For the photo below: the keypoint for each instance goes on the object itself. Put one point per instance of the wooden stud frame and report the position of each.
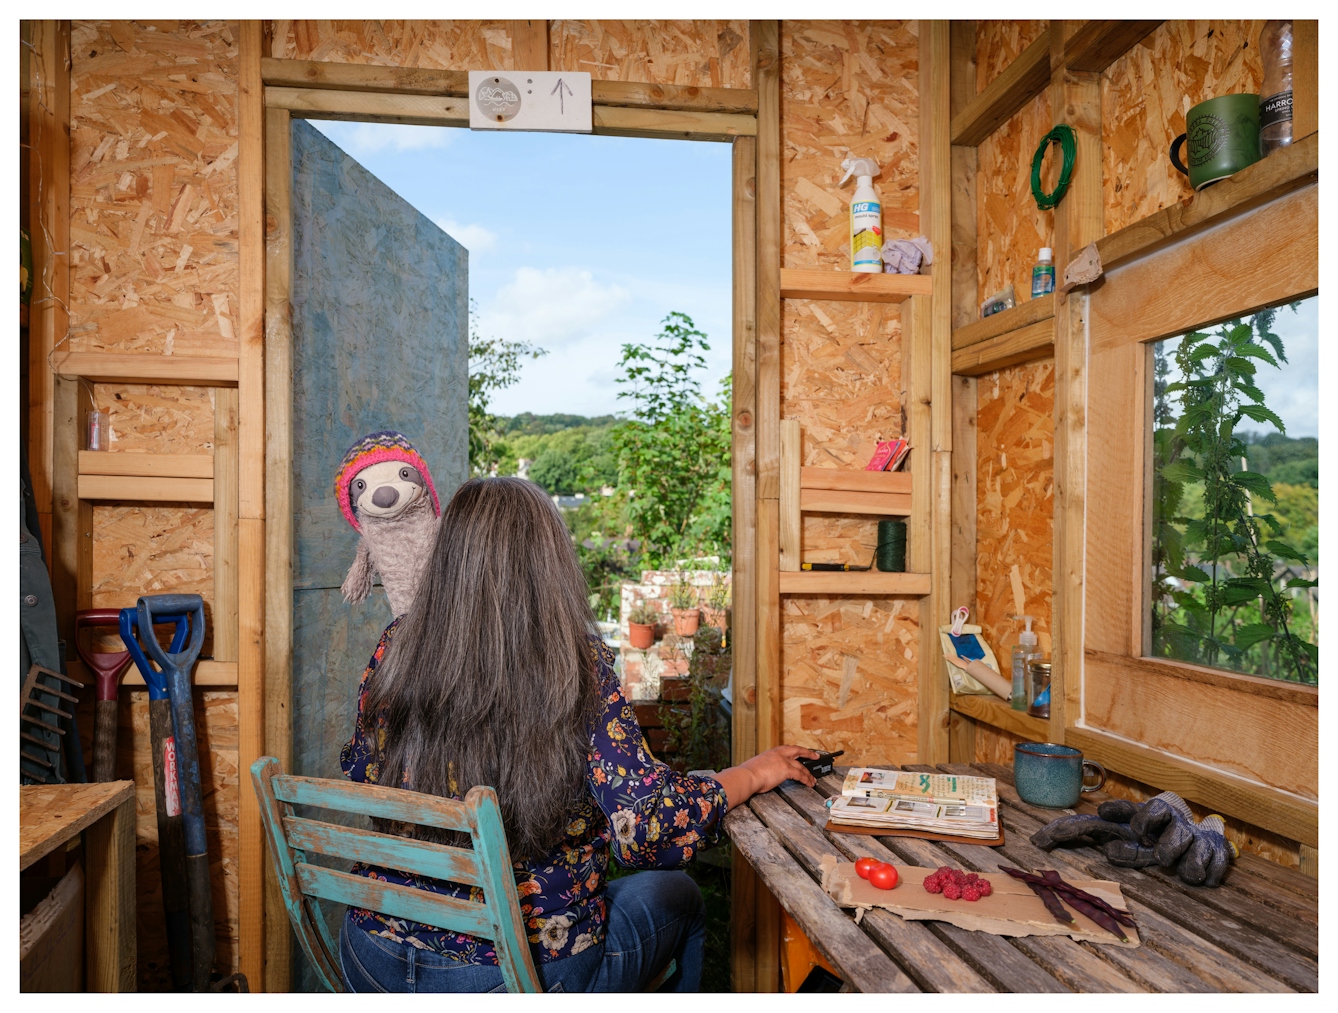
(1095, 568)
(1252, 751)
(750, 119)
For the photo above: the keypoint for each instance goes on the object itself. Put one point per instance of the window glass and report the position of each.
(1235, 495)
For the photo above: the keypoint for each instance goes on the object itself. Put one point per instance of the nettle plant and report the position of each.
(1226, 605)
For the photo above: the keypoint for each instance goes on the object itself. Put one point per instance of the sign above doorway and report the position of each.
(530, 100)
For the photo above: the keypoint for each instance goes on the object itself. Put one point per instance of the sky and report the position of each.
(577, 243)
(1292, 391)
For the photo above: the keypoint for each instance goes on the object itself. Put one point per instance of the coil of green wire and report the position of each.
(1063, 136)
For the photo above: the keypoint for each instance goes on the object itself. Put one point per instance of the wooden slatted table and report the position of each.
(1259, 931)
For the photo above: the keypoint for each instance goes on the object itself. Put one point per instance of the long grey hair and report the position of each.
(490, 678)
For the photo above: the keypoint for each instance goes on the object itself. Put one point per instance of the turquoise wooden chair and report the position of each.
(488, 865)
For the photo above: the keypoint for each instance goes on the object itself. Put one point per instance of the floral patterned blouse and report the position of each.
(650, 816)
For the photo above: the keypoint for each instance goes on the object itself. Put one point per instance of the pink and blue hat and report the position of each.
(387, 445)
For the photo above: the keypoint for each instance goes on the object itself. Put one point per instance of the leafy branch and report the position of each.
(1224, 561)
(494, 364)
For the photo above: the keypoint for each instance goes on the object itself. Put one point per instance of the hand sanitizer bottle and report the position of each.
(1043, 274)
(1025, 649)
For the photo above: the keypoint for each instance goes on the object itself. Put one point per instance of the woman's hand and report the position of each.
(764, 772)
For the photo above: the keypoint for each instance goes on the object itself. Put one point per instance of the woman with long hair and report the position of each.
(494, 677)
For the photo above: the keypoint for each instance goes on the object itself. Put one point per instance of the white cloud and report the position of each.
(474, 238)
(552, 307)
(363, 139)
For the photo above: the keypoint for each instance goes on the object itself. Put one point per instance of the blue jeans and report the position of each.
(653, 917)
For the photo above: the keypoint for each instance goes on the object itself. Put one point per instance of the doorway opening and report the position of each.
(598, 348)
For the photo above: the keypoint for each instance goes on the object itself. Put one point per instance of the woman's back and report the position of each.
(651, 816)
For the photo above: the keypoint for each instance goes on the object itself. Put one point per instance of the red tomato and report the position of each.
(864, 865)
(884, 876)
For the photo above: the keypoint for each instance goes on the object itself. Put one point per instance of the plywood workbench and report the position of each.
(52, 815)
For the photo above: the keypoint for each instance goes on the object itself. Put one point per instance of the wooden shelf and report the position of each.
(855, 481)
(1029, 312)
(869, 504)
(139, 489)
(999, 714)
(99, 462)
(851, 286)
(857, 584)
(136, 367)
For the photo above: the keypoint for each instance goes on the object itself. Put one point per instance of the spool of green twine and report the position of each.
(890, 556)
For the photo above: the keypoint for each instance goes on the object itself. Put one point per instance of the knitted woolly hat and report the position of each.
(374, 448)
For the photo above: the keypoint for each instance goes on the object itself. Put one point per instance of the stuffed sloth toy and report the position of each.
(385, 491)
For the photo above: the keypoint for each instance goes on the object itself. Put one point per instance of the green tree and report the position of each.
(494, 364)
(1224, 606)
(674, 450)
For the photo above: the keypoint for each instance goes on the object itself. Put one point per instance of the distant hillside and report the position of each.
(1284, 459)
(529, 424)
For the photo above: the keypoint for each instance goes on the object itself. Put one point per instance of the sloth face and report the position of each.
(386, 489)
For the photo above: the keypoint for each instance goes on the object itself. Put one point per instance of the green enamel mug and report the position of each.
(1221, 137)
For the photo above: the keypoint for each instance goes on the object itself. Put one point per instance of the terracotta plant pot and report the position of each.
(640, 635)
(686, 621)
(714, 617)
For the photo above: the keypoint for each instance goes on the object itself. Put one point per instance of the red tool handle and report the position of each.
(108, 665)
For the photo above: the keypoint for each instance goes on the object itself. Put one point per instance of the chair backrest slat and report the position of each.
(402, 854)
(437, 909)
(374, 800)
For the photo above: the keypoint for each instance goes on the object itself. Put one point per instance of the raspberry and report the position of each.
(933, 884)
(972, 877)
(986, 888)
(952, 891)
(971, 892)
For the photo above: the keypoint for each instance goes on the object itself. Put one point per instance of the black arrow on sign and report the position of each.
(557, 90)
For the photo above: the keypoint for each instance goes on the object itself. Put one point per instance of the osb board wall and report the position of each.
(1015, 501)
(999, 43)
(850, 676)
(849, 665)
(995, 745)
(713, 54)
(1145, 96)
(153, 190)
(216, 740)
(847, 87)
(1010, 228)
(437, 45)
(154, 548)
(701, 53)
(157, 419)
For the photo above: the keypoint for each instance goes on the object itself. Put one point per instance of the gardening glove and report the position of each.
(1082, 830)
(1165, 824)
(1168, 836)
(1209, 855)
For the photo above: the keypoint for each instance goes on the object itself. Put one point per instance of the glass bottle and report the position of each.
(1275, 94)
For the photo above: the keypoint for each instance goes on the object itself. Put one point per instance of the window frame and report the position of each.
(1245, 745)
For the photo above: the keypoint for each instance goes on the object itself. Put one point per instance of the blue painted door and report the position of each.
(380, 341)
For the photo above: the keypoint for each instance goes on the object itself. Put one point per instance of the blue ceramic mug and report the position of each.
(1048, 774)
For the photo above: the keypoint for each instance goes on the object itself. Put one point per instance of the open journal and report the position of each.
(935, 803)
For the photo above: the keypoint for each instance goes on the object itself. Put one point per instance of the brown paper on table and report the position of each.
(1011, 910)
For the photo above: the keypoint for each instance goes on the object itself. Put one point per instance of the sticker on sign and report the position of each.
(530, 100)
